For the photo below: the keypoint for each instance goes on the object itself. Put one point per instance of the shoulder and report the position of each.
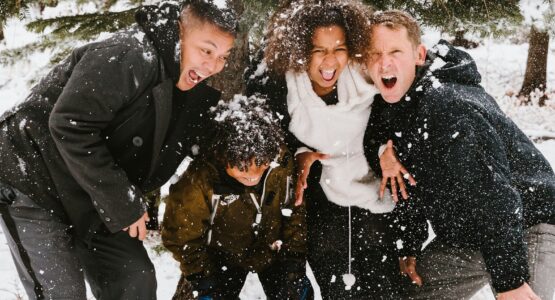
(130, 47)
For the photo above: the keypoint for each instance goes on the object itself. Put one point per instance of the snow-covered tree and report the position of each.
(540, 18)
(459, 17)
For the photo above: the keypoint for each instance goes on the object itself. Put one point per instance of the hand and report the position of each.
(304, 161)
(395, 172)
(407, 265)
(524, 292)
(138, 228)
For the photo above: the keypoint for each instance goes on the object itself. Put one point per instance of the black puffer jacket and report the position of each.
(480, 180)
(100, 129)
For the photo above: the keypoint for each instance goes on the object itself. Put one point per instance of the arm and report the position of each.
(185, 223)
(103, 82)
(472, 157)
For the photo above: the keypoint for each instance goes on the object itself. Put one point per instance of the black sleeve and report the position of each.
(104, 80)
(474, 163)
(375, 135)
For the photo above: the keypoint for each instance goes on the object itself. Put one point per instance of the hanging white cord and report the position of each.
(350, 259)
(349, 279)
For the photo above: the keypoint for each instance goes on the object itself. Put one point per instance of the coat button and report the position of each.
(138, 141)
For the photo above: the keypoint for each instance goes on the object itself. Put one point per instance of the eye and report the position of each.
(341, 49)
(223, 58)
(206, 51)
(317, 51)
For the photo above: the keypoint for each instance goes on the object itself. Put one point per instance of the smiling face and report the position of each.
(393, 61)
(204, 51)
(251, 176)
(329, 57)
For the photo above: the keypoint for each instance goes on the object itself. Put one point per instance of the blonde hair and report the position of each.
(396, 19)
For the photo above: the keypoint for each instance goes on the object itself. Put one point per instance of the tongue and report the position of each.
(389, 82)
(328, 75)
(194, 75)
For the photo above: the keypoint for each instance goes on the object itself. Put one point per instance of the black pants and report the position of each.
(373, 259)
(52, 264)
(274, 281)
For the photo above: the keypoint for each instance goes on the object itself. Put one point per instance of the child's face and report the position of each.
(251, 176)
(393, 61)
(328, 59)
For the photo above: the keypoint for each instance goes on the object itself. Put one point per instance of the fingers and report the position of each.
(142, 230)
(299, 192)
(382, 187)
(133, 230)
(402, 186)
(408, 176)
(414, 277)
(389, 144)
(393, 184)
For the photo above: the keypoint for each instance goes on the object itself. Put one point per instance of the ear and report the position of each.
(421, 53)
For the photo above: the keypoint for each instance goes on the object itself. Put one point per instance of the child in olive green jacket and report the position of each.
(233, 212)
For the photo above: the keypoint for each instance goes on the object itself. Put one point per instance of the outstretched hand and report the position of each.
(138, 229)
(407, 265)
(394, 172)
(304, 161)
(524, 292)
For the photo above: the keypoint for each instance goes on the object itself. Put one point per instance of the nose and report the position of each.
(210, 65)
(384, 62)
(330, 60)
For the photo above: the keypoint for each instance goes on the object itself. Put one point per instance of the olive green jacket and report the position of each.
(232, 239)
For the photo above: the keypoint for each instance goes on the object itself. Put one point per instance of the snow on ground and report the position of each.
(501, 63)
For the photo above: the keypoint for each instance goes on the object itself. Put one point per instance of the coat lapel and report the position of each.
(163, 108)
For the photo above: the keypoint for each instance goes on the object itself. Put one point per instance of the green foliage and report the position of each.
(485, 17)
(86, 26)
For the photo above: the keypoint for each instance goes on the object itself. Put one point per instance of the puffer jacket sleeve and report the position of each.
(186, 220)
(104, 80)
(294, 226)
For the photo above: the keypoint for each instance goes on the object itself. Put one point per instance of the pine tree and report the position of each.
(483, 17)
(67, 31)
(19, 8)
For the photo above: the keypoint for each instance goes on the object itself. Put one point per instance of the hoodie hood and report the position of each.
(445, 63)
(160, 24)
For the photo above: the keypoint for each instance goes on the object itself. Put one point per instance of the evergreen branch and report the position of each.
(86, 26)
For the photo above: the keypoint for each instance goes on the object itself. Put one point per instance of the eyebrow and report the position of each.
(343, 43)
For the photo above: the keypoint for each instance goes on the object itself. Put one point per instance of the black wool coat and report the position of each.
(480, 180)
(98, 131)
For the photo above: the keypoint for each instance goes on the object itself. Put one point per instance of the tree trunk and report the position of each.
(230, 81)
(1, 31)
(536, 66)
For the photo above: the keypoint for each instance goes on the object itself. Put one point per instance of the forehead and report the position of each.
(383, 35)
(326, 34)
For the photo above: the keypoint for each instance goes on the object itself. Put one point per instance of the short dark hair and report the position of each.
(206, 11)
(245, 129)
(289, 36)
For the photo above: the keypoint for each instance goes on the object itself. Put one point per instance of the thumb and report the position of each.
(389, 144)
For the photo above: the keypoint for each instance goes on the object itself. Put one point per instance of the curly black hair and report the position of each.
(289, 34)
(245, 129)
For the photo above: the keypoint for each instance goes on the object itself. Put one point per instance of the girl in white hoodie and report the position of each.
(310, 71)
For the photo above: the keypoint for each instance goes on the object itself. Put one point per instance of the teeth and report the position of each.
(388, 77)
(201, 75)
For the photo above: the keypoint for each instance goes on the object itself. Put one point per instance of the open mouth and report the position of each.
(389, 81)
(251, 179)
(327, 75)
(196, 76)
